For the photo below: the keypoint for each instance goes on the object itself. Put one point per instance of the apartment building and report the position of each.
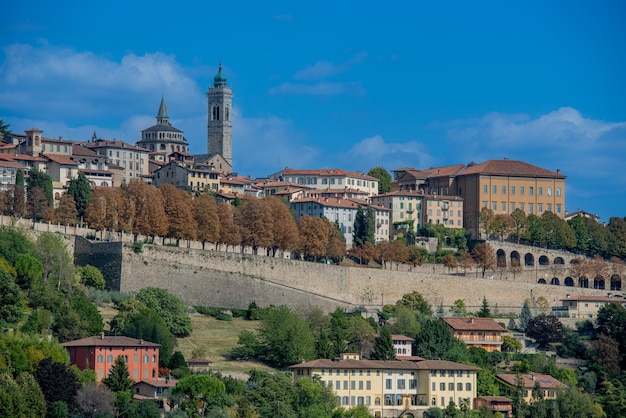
(477, 332)
(531, 382)
(99, 354)
(329, 178)
(389, 388)
(134, 160)
(584, 307)
(187, 177)
(344, 212)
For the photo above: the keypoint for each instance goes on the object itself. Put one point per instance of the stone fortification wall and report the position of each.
(213, 278)
(106, 256)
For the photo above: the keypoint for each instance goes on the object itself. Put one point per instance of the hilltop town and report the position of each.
(331, 269)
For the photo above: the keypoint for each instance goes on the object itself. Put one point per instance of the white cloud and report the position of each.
(324, 69)
(374, 151)
(59, 81)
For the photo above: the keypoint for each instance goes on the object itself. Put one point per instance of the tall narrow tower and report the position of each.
(220, 125)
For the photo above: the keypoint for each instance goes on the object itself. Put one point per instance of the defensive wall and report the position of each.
(234, 279)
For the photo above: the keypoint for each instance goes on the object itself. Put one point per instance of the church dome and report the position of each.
(219, 79)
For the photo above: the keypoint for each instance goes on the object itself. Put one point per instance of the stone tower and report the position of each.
(220, 125)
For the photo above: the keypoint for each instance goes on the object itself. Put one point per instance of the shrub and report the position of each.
(138, 247)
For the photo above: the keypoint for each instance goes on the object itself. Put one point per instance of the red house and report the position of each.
(99, 354)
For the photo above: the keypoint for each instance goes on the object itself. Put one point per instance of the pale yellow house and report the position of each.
(187, 177)
(330, 178)
(585, 307)
(391, 388)
(547, 384)
(477, 332)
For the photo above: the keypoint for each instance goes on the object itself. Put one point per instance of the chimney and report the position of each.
(141, 341)
(102, 335)
(471, 320)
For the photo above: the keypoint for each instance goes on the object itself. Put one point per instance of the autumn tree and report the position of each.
(178, 210)
(314, 233)
(80, 190)
(284, 228)
(502, 225)
(580, 268)
(484, 257)
(207, 220)
(66, 212)
(384, 179)
(467, 261)
(37, 206)
(336, 248)
(18, 195)
(519, 224)
(485, 219)
(229, 232)
(416, 257)
(515, 267)
(255, 222)
(398, 253)
(43, 181)
(449, 261)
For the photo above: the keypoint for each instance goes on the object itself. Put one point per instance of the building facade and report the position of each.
(134, 160)
(220, 120)
(187, 177)
(584, 307)
(532, 383)
(163, 137)
(99, 354)
(477, 332)
(390, 388)
(330, 178)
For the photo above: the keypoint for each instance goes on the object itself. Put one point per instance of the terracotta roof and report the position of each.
(409, 358)
(529, 380)
(356, 364)
(473, 324)
(113, 143)
(446, 171)
(396, 337)
(443, 365)
(109, 340)
(500, 399)
(332, 202)
(20, 157)
(198, 360)
(267, 184)
(83, 151)
(508, 167)
(417, 193)
(61, 159)
(328, 172)
(159, 383)
(11, 164)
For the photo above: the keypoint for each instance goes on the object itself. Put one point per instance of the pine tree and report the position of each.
(118, 380)
(80, 190)
(484, 311)
(524, 316)
(383, 346)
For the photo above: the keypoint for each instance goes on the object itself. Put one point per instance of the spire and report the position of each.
(162, 115)
(94, 137)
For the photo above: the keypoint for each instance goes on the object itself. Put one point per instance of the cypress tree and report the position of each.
(80, 190)
(383, 346)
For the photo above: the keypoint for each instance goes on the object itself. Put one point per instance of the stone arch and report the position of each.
(541, 281)
(529, 260)
(569, 281)
(544, 261)
(598, 283)
(515, 256)
(616, 282)
(583, 282)
(558, 260)
(500, 258)
(555, 281)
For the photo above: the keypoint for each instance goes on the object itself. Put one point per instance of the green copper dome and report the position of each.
(219, 79)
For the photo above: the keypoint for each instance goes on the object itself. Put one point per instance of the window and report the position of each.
(521, 207)
(485, 204)
(531, 207)
(512, 189)
(100, 358)
(558, 192)
(558, 208)
(412, 383)
(401, 384)
(388, 384)
(451, 387)
(443, 401)
(368, 385)
(468, 387)
(512, 207)
(459, 386)
(337, 384)
(494, 206)
(442, 386)
(540, 208)
(135, 374)
(503, 206)
(433, 386)
(531, 191)
(503, 189)
(549, 191)
(345, 385)
(494, 189)
(146, 358)
(353, 384)
(521, 190)
(549, 207)
(360, 385)
(110, 358)
(540, 191)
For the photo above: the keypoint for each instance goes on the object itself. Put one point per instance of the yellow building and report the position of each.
(532, 382)
(585, 307)
(389, 388)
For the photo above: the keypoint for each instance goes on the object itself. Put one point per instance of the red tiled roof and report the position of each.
(443, 365)
(508, 167)
(113, 143)
(159, 383)
(11, 164)
(446, 171)
(61, 159)
(109, 340)
(396, 337)
(529, 380)
(82, 151)
(473, 324)
(327, 172)
(356, 364)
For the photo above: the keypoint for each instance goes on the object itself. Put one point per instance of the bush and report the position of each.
(224, 317)
(138, 247)
(103, 297)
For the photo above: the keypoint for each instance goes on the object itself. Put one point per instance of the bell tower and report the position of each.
(220, 125)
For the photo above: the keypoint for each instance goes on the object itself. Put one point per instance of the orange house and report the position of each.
(99, 354)
(477, 332)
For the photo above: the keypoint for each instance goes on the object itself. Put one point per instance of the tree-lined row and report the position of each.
(579, 234)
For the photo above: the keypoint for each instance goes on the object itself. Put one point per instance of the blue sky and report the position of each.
(337, 83)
